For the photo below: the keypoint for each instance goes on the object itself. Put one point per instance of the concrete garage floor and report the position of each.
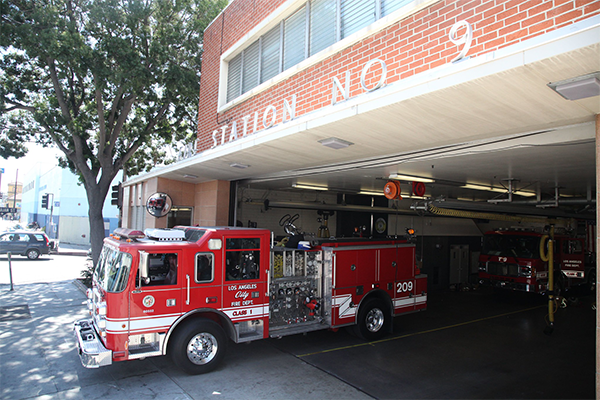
(466, 345)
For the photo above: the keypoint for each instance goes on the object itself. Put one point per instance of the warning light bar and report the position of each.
(165, 234)
(126, 233)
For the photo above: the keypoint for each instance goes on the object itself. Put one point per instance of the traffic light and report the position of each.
(116, 196)
(45, 201)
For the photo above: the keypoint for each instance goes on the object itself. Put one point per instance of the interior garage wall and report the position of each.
(437, 238)
(435, 253)
(250, 208)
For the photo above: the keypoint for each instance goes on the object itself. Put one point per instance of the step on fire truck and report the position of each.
(515, 259)
(186, 291)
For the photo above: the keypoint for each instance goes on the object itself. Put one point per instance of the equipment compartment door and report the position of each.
(245, 269)
(405, 285)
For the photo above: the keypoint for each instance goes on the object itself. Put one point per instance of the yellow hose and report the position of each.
(543, 255)
(550, 257)
(446, 212)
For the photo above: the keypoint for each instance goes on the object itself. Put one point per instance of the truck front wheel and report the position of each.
(199, 347)
(373, 320)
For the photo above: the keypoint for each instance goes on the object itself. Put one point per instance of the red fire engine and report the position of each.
(514, 259)
(186, 291)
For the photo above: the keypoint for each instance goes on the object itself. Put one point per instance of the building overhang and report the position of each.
(494, 98)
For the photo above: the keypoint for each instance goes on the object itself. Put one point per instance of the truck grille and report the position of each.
(502, 269)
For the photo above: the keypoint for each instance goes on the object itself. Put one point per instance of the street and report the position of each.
(47, 268)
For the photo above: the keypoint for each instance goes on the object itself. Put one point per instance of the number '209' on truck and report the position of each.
(187, 291)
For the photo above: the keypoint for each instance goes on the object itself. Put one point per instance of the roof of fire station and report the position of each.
(464, 112)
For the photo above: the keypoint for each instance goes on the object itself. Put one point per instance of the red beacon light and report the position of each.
(128, 234)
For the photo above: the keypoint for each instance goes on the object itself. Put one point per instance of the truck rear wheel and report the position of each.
(373, 320)
(199, 347)
(591, 282)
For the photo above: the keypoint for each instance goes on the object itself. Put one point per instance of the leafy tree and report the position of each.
(103, 80)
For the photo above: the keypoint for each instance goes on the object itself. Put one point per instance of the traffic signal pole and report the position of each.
(49, 205)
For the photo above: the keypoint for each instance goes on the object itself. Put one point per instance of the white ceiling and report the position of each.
(481, 122)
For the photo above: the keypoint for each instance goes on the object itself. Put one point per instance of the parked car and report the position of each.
(24, 243)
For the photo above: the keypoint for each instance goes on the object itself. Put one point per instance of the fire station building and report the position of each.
(366, 117)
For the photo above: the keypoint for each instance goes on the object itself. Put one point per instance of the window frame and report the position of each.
(277, 18)
(212, 265)
(242, 251)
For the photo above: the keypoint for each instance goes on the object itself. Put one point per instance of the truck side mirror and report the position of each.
(143, 269)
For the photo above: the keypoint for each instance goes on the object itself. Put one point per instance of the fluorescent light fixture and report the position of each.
(411, 178)
(524, 194)
(496, 189)
(310, 187)
(577, 88)
(371, 193)
(238, 165)
(335, 143)
(188, 176)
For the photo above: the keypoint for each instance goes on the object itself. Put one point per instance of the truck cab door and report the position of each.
(155, 303)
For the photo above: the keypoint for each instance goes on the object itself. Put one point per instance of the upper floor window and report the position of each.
(312, 28)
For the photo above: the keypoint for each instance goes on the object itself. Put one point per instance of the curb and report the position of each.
(70, 253)
(82, 288)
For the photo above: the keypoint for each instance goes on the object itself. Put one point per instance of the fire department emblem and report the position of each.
(148, 301)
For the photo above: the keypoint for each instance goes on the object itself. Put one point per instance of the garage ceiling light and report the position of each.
(496, 189)
(189, 176)
(371, 193)
(238, 165)
(335, 143)
(411, 178)
(577, 88)
(311, 187)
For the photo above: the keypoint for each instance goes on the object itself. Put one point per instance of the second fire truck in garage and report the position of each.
(516, 259)
(187, 291)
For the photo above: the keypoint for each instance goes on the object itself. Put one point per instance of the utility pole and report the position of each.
(15, 195)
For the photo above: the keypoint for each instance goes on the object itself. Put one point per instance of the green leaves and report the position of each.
(102, 77)
(110, 82)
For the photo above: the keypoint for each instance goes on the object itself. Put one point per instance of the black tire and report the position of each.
(32, 254)
(198, 347)
(374, 320)
(559, 284)
(591, 282)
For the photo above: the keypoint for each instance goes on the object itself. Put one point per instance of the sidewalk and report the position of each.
(39, 360)
(67, 249)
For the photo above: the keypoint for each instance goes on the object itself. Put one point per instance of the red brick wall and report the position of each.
(411, 46)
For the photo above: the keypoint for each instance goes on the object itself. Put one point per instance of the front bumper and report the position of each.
(512, 285)
(92, 352)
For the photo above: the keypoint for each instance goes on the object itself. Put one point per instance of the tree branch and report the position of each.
(101, 117)
(120, 122)
(114, 106)
(17, 106)
(64, 109)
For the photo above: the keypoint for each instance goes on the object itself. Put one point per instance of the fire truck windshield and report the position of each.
(112, 269)
(511, 246)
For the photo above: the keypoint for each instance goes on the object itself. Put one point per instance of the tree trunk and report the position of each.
(96, 195)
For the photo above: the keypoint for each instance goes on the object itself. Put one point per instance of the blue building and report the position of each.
(66, 218)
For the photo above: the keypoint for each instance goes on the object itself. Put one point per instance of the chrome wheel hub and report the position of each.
(202, 348)
(375, 320)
